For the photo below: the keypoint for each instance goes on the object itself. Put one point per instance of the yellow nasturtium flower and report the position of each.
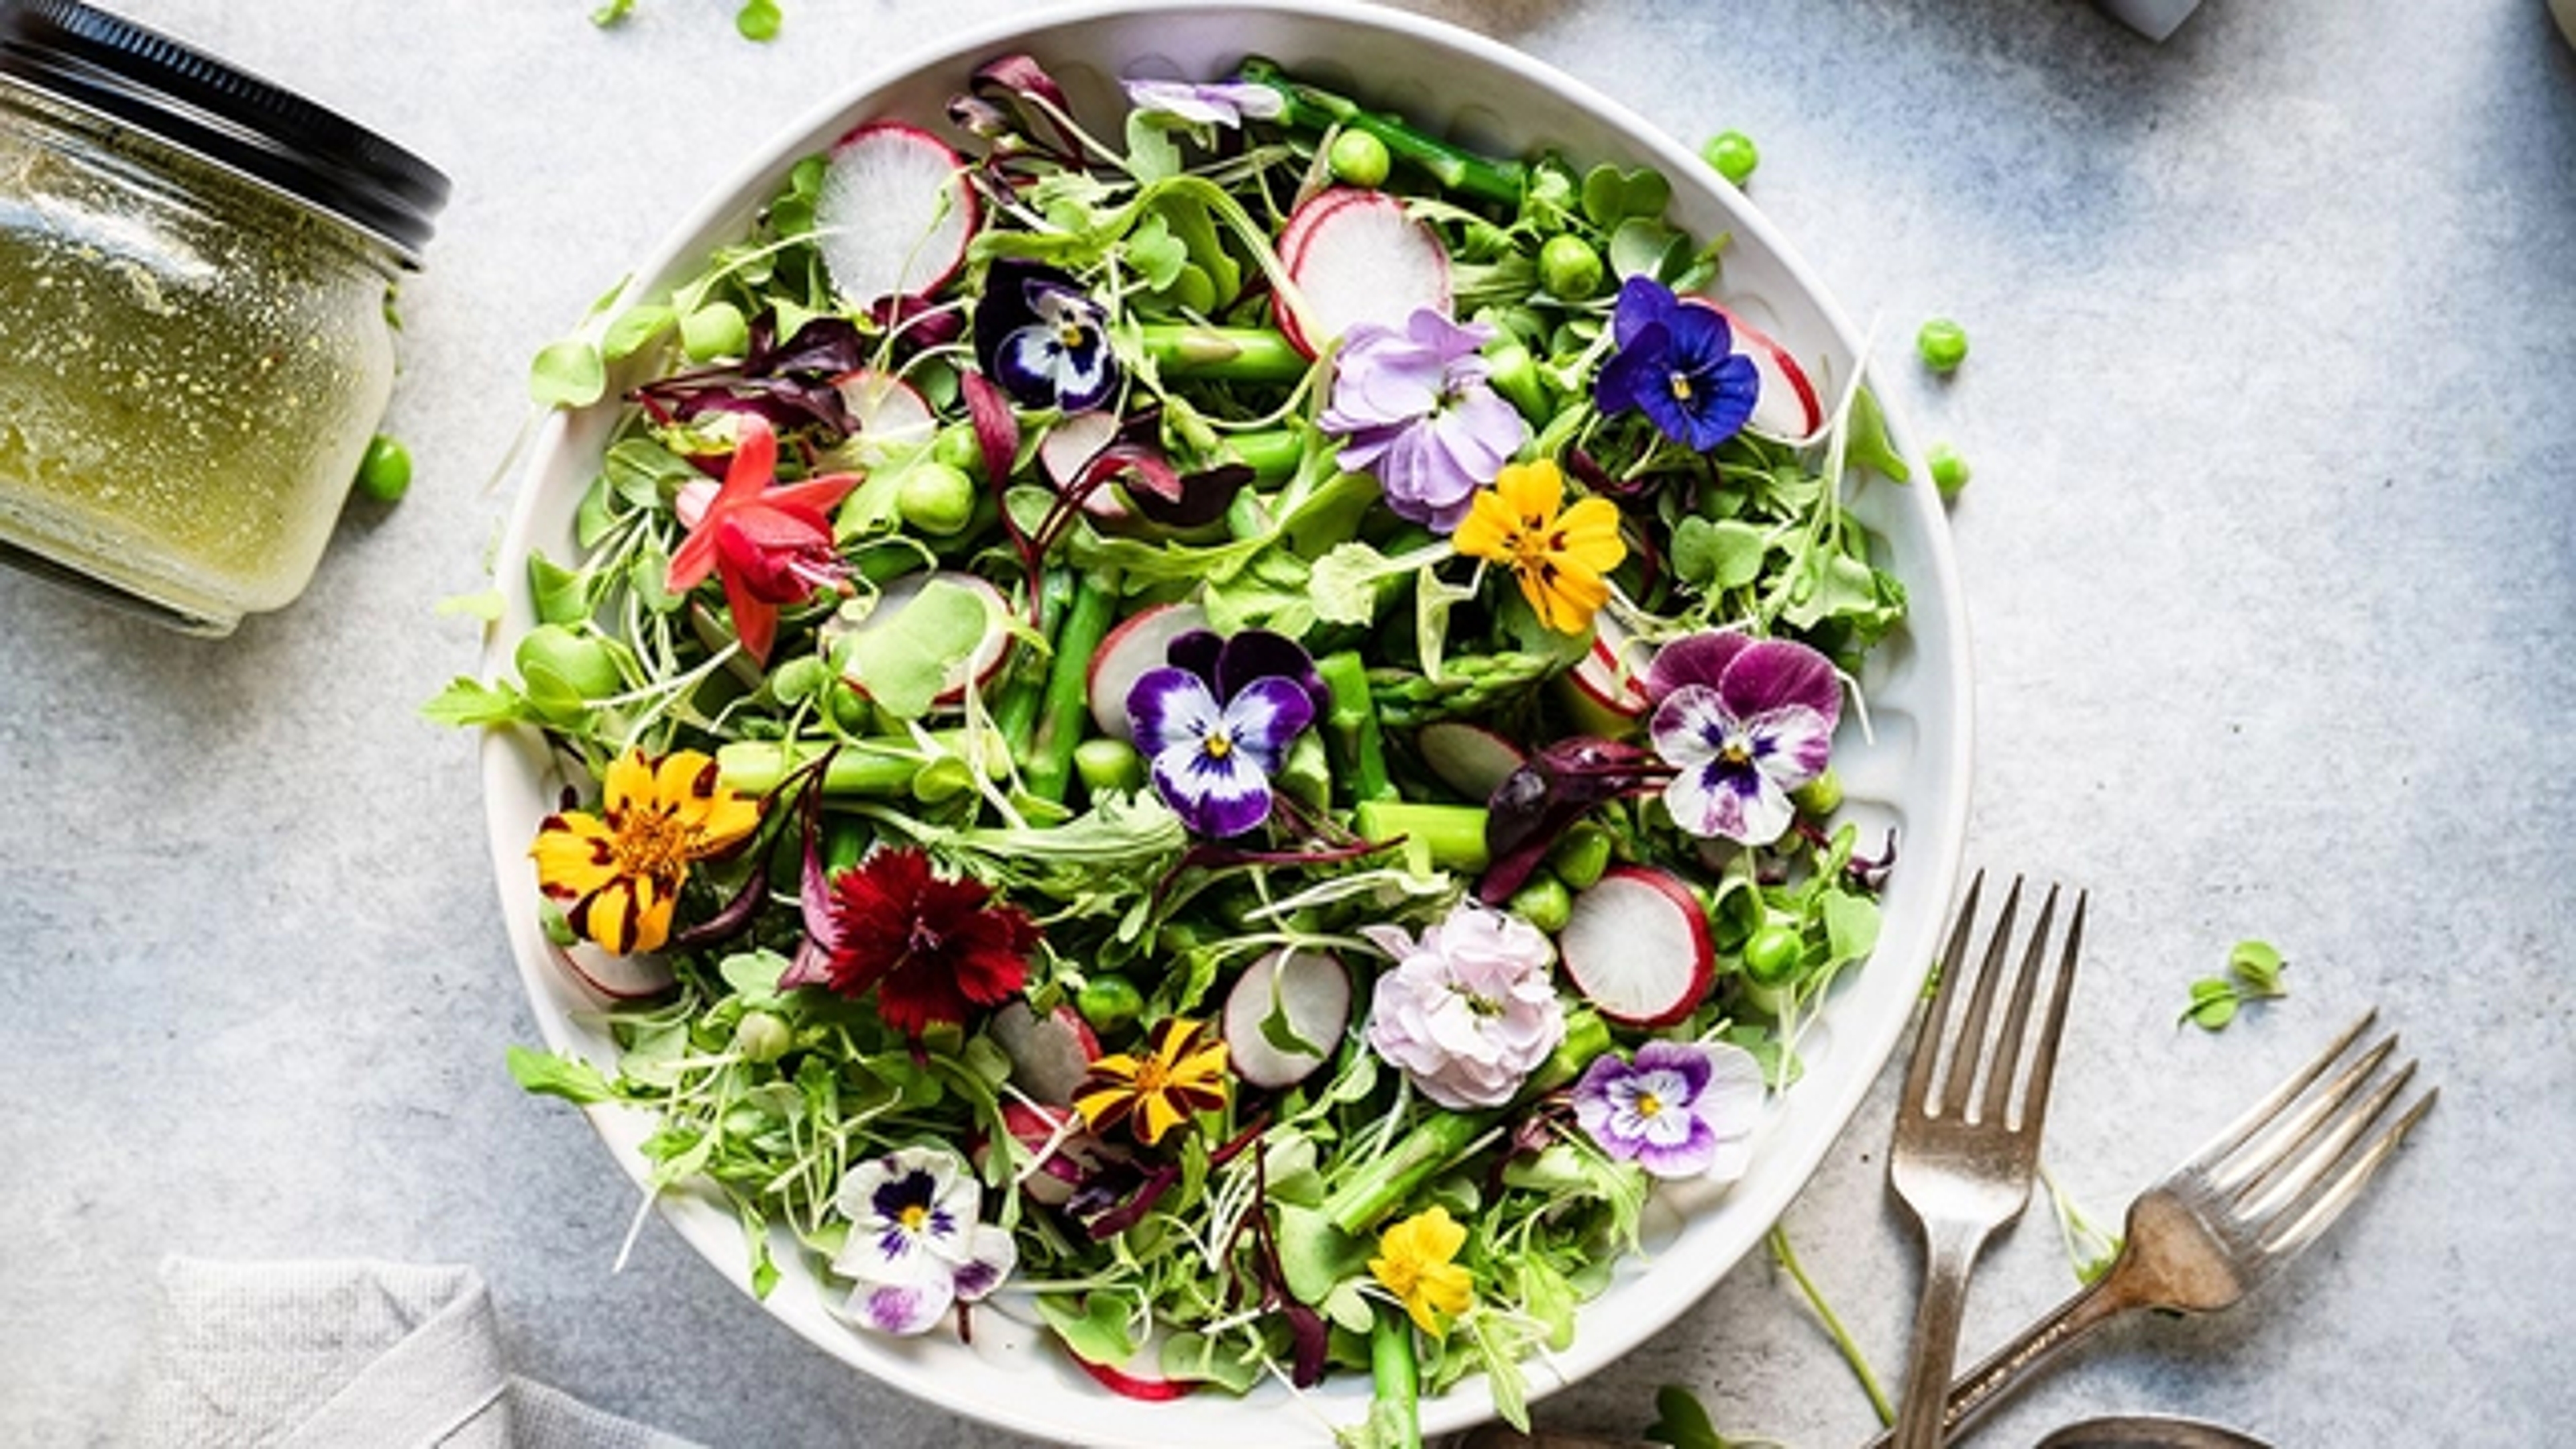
(1560, 555)
(1414, 1263)
(617, 874)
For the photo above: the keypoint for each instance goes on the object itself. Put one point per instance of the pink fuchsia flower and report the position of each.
(1745, 721)
(1416, 412)
(1224, 103)
(1469, 1010)
(1681, 1109)
(770, 545)
(915, 1245)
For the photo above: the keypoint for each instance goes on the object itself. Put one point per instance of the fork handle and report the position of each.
(1973, 1394)
(1949, 1252)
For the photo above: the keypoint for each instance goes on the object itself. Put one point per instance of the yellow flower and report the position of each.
(1414, 1264)
(1559, 554)
(617, 874)
(1180, 1072)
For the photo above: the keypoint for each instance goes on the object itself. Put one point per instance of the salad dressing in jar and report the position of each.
(194, 342)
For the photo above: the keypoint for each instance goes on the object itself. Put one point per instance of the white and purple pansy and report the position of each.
(1680, 1109)
(1222, 103)
(1044, 339)
(1217, 720)
(915, 1246)
(1745, 721)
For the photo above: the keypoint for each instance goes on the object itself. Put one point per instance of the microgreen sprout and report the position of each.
(2253, 974)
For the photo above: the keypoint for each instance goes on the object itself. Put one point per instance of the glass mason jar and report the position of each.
(195, 342)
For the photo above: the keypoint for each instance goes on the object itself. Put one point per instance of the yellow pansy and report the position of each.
(1414, 1263)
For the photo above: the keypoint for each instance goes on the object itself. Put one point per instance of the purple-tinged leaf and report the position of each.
(1537, 803)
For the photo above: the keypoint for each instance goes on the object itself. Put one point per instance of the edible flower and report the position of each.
(1216, 723)
(1559, 554)
(1468, 1012)
(1223, 103)
(1044, 339)
(617, 874)
(915, 1244)
(1745, 721)
(1417, 413)
(1680, 1109)
(770, 545)
(1678, 365)
(1414, 1261)
(1180, 1073)
(935, 949)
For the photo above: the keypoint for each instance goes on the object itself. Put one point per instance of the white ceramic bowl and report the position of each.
(1912, 774)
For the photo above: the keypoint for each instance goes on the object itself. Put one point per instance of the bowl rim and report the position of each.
(1933, 851)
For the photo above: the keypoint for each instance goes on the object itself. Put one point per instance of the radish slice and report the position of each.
(1136, 1381)
(1050, 1055)
(1074, 442)
(1301, 222)
(1609, 680)
(1360, 259)
(1468, 758)
(615, 978)
(1068, 1157)
(1314, 991)
(894, 213)
(979, 667)
(1637, 947)
(1786, 409)
(1132, 648)
(890, 412)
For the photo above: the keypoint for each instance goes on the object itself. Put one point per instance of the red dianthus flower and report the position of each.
(934, 949)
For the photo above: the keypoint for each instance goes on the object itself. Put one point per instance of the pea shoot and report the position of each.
(1733, 155)
(1942, 344)
(2253, 974)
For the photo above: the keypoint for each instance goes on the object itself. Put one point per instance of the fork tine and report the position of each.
(1918, 1070)
(1968, 1043)
(2017, 1013)
(2225, 1143)
(2300, 1170)
(2282, 1141)
(2341, 1190)
(2043, 1062)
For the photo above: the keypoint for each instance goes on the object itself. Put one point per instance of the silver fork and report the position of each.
(2226, 1221)
(1967, 1144)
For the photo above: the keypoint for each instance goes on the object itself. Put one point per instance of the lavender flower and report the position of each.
(1216, 723)
(1745, 721)
(1678, 365)
(1416, 412)
(1681, 1109)
(1224, 103)
(1044, 339)
(915, 1246)
(1468, 1012)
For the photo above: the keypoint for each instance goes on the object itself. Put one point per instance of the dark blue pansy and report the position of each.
(1044, 339)
(1678, 365)
(1217, 721)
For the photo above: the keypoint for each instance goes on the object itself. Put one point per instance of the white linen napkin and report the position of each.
(347, 1355)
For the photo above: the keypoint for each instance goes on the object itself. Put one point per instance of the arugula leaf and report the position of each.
(549, 1075)
(469, 701)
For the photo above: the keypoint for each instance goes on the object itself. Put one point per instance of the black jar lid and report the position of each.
(183, 96)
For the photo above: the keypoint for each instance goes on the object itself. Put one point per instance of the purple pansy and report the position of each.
(1216, 723)
(1224, 103)
(915, 1246)
(1415, 410)
(1678, 365)
(1681, 1109)
(1745, 721)
(1044, 339)
(1469, 1010)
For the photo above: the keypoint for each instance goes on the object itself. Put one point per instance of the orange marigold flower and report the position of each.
(1180, 1072)
(1559, 554)
(617, 874)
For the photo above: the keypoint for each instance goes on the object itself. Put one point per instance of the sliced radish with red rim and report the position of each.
(893, 214)
(1358, 258)
(1637, 947)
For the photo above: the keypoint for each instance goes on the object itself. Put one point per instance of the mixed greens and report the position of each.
(1222, 732)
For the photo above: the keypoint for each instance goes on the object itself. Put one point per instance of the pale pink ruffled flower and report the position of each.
(1469, 1011)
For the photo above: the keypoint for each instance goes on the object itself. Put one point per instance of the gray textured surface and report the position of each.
(2271, 561)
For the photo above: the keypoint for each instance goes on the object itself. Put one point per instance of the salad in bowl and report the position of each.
(1171, 735)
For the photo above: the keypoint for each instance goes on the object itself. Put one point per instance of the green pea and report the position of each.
(713, 331)
(1733, 155)
(799, 679)
(956, 447)
(384, 474)
(1822, 795)
(553, 654)
(1949, 470)
(1106, 764)
(1359, 159)
(1942, 343)
(1544, 903)
(851, 710)
(1569, 268)
(935, 498)
(758, 20)
(1581, 857)
(761, 1036)
(1110, 1003)
(1771, 957)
